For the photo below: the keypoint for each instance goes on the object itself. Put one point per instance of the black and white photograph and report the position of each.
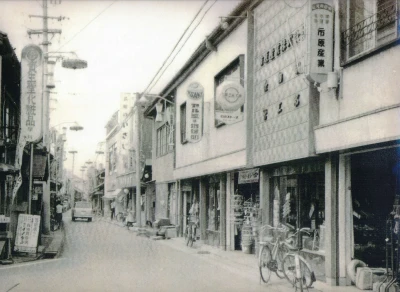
(199, 145)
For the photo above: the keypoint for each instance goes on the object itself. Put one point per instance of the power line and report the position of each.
(184, 43)
(87, 24)
(187, 28)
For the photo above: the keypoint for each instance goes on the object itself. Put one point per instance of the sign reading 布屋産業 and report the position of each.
(194, 112)
(321, 39)
(31, 93)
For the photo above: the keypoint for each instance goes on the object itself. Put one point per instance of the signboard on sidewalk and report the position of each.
(26, 239)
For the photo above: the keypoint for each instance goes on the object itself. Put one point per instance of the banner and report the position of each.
(17, 185)
(31, 93)
(194, 112)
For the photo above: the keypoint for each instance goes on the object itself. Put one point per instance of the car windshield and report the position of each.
(83, 205)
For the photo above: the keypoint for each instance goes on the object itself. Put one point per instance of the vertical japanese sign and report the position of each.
(31, 93)
(321, 40)
(27, 233)
(126, 104)
(194, 112)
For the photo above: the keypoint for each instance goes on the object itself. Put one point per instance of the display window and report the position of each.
(213, 205)
(375, 178)
(299, 201)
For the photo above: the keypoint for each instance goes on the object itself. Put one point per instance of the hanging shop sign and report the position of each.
(321, 40)
(194, 112)
(126, 180)
(26, 238)
(31, 93)
(4, 219)
(229, 99)
(249, 176)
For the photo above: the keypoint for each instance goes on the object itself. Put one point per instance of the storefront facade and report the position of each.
(284, 111)
(210, 137)
(359, 134)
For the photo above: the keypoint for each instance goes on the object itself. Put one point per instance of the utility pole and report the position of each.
(138, 165)
(46, 111)
(73, 152)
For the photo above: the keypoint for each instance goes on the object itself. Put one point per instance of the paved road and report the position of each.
(99, 256)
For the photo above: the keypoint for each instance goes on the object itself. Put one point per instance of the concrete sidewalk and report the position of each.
(50, 247)
(248, 264)
(236, 261)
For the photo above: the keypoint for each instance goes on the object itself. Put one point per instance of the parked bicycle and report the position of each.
(190, 233)
(271, 260)
(296, 269)
(121, 216)
(284, 259)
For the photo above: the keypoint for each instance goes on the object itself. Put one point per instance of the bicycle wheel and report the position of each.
(263, 259)
(120, 217)
(188, 236)
(191, 240)
(282, 251)
(289, 269)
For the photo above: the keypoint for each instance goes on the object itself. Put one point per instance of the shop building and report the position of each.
(290, 60)
(122, 143)
(10, 74)
(200, 135)
(358, 135)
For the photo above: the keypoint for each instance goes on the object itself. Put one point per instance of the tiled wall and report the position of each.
(282, 121)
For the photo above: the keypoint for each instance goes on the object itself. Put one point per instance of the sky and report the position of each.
(124, 42)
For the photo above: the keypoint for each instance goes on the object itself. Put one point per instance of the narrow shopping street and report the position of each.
(102, 256)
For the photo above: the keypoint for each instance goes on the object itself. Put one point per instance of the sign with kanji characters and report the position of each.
(321, 40)
(249, 176)
(31, 93)
(194, 112)
(27, 233)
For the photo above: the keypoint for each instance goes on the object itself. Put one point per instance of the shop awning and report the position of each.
(112, 194)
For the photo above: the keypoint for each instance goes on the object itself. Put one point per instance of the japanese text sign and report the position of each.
(321, 40)
(194, 114)
(31, 93)
(27, 233)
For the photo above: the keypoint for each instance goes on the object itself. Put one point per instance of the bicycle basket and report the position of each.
(266, 234)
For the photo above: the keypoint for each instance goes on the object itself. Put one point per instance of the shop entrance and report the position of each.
(375, 178)
(248, 217)
(299, 201)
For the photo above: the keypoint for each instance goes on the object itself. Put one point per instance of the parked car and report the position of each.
(82, 210)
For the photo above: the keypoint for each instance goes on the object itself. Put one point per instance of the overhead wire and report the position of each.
(93, 19)
(170, 54)
(205, 13)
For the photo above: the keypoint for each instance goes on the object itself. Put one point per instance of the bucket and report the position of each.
(246, 248)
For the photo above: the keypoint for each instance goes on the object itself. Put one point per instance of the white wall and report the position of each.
(368, 110)
(216, 142)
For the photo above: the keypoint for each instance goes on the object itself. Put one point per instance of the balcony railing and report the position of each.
(371, 32)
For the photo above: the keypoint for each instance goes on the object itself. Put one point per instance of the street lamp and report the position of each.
(83, 168)
(59, 147)
(68, 63)
(73, 152)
